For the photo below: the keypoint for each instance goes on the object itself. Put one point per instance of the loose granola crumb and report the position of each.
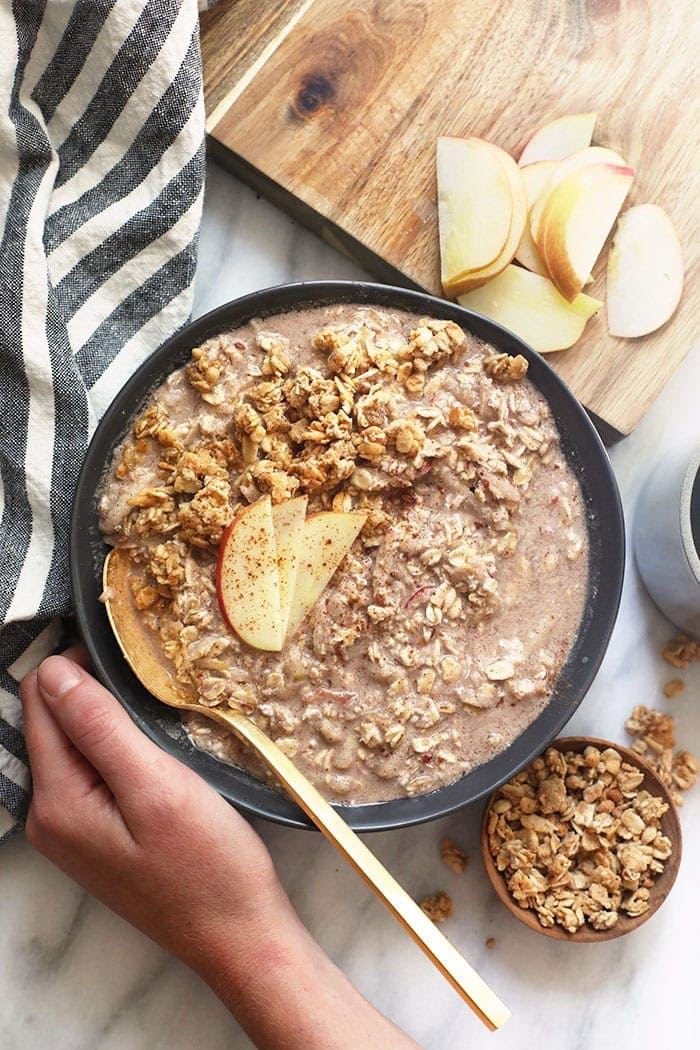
(673, 688)
(454, 857)
(681, 651)
(654, 740)
(438, 907)
(490, 942)
(462, 417)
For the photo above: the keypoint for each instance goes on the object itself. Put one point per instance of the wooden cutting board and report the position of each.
(332, 109)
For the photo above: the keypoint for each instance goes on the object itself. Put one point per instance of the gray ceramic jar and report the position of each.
(667, 538)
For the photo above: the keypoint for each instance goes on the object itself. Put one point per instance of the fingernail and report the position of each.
(56, 676)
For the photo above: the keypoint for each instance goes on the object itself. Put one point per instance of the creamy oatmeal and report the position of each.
(441, 635)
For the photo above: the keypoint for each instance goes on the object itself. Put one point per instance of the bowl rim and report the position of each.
(87, 552)
(629, 923)
(690, 480)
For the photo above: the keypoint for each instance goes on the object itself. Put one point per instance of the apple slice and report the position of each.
(475, 206)
(288, 522)
(583, 158)
(645, 272)
(530, 306)
(247, 579)
(466, 281)
(576, 221)
(327, 539)
(559, 138)
(535, 176)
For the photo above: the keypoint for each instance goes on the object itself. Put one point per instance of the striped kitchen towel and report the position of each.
(101, 179)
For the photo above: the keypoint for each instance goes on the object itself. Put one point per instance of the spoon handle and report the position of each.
(466, 981)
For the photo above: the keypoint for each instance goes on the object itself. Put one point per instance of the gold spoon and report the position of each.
(133, 643)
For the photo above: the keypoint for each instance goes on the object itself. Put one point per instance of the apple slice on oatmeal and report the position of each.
(274, 564)
(288, 521)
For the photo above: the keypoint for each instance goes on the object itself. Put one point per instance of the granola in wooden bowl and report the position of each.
(585, 843)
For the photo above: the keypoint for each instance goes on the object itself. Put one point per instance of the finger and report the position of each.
(71, 803)
(55, 762)
(79, 655)
(99, 727)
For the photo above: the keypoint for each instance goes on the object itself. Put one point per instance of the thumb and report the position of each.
(98, 727)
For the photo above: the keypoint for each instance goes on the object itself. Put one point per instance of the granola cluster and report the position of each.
(438, 907)
(192, 501)
(654, 740)
(453, 857)
(293, 429)
(681, 651)
(577, 840)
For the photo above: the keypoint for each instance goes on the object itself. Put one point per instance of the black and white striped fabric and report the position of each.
(101, 180)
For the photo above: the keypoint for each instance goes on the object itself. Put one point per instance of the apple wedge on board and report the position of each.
(583, 158)
(465, 282)
(529, 305)
(576, 220)
(559, 138)
(247, 578)
(645, 272)
(535, 176)
(475, 207)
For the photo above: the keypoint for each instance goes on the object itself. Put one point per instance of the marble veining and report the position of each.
(76, 977)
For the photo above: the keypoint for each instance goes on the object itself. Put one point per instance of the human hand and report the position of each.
(155, 843)
(136, 827)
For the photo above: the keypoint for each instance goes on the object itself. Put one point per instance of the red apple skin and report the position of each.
(225, 540)
(219, 562)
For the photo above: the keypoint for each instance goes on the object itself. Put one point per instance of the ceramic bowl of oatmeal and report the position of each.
(468, 619)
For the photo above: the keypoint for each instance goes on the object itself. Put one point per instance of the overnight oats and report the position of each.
(441, 634)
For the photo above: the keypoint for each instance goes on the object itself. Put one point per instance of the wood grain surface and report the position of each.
(333, 109)
(237, 38)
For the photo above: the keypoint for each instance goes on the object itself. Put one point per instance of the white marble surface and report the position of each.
(75, 977)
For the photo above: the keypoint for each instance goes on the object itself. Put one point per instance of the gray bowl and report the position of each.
(583, 450)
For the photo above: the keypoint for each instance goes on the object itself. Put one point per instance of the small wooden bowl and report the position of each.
(670, 826)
